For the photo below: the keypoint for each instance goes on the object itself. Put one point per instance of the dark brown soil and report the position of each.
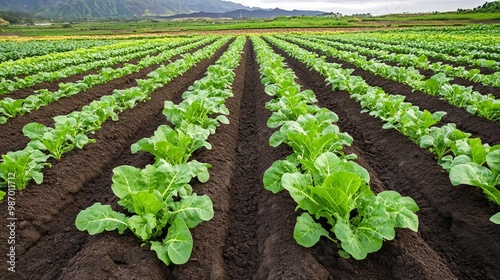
(251, 234)
(483, 70)
(483, 89)
(54, 85)
(82, 177)
(488, 131)
(449, 215)
(14, 138)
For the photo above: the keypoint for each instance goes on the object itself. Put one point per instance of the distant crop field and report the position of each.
(298, 23)
(259, 155)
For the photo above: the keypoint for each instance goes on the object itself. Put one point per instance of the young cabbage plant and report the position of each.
(440, 139)
(197, 111)
(311, 135)
(465, 170)
(175, 146)
(338, 191)
(10, 108)
(159, 197)
(64, 137)
(19, 167)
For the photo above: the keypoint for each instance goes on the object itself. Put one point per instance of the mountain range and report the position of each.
(89, 9)
(243, 13)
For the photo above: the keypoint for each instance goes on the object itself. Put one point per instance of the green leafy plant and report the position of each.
(175, 146)
(160, 197)
(9, 108)
(325, 183)
(64, 137)
(22, 166)
(197, 111)
(439, 140)
(339, 191)
(311, 135)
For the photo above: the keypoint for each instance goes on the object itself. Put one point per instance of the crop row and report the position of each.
(70, 131)
(468, 160)
(100, 60)
(451, 34)
(478, 53)
(55, 61)
(10, 108)
(17, 50)
(324, 182)
(159, 195)
(382, 51)
(485, 106)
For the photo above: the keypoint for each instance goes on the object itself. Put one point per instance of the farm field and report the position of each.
(418, 107)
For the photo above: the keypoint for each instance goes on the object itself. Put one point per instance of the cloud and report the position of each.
(366, 6)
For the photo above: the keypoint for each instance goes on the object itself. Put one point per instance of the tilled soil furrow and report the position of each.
(240, 249)
(54, 85)
(11, 132)
(483, 89)
(407, 245)
(449, 215)
(207, 261)
(428, 73)
(44, 207)
(280, 256)
(488, 131)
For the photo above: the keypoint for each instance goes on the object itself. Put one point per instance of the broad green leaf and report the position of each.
(193, 210)
(161, 251)
(179, 242)
(326, 116)
(171, 178)
(470, 174)
(307, 232)
(368, 236)
(272, 176)
(478, 151)
(277, 138)
(143, 226)
(98, 218)
(493, 161)
(34, 131)
(427, 141)
(476, 175)
(329, 163)
(348, 182)
(448, 162)
(496, 218)
(199, 170)
(400, 209)
(127, 180)
(299, 186)
(146, 203)
(331, 201)
(81, 140)
(222, 119)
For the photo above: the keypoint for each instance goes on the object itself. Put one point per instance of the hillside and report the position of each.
(242, 13)
(489, 7)
(79, 9)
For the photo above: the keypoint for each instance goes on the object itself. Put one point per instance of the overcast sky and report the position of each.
(375, 7)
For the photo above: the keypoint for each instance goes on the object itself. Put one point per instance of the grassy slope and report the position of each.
(146, 26)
